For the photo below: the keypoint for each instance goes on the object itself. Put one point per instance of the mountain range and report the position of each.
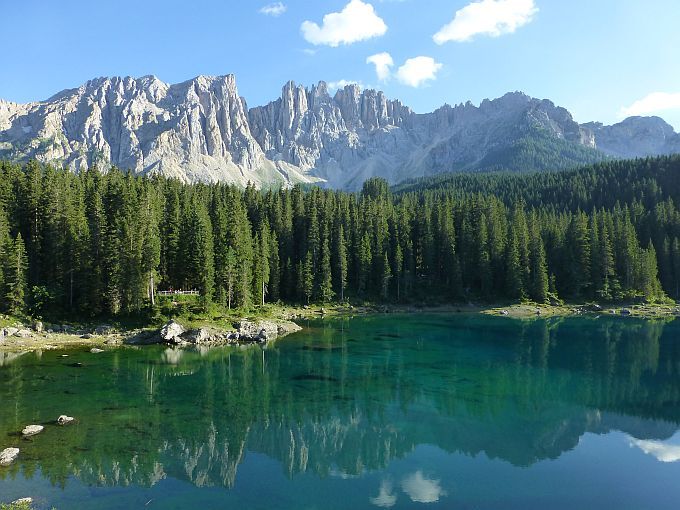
(203, 130)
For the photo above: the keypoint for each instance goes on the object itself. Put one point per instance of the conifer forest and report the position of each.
(100, 243)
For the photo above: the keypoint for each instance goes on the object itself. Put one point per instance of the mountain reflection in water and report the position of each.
(344, 398)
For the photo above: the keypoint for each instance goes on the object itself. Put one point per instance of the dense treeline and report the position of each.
(104, 243)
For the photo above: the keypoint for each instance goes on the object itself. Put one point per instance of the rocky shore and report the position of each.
(20, 338)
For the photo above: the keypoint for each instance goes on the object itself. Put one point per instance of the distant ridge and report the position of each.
(202, 130)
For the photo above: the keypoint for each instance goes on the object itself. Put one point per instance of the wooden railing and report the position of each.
(178, 293)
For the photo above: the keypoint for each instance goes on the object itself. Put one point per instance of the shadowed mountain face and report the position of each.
(344, 398)
(202, 130)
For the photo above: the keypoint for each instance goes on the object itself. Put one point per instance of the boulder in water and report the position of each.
(8, 455)
(32, 430)
(64, 420)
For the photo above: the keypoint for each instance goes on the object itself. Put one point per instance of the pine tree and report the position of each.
(386, 277)
(229, 274)
(676, 268)
(539, 271)
(261, 270)
(306, 278)
(514, 273)
(326, 293)
(341, 263)
(15, 276)
(365, 263)
(198, 255)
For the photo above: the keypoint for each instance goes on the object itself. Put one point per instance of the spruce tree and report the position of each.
(539, 271)
(341, 263)
(15, 276)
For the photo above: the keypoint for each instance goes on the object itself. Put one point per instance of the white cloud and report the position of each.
(421, 489)
(341, 84)
(358, 21)
(276, 9)
(383, 63)
(417, 71)
(662, 451)
(487, 17)
(652, 103)
(386, 497)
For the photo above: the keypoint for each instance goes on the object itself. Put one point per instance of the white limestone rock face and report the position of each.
(636, 137)
(195, 131)
(202, 130)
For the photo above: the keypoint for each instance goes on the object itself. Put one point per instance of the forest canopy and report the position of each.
(102, 243)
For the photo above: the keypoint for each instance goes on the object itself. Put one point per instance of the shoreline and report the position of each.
(109, 337)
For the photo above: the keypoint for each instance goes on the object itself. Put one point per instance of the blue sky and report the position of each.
(600, 59)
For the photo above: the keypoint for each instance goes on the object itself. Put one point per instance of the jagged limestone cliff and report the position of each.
(202, 130)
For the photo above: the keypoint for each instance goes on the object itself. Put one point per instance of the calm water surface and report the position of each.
(423, 411)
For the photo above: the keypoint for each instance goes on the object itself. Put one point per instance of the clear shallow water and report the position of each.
(423, 411)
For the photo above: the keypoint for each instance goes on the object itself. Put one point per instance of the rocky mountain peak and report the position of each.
(203, 130)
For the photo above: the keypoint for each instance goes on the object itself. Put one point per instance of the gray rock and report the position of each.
(94, 350)
(23, 501)
(626, 312)
(202, 130)
(11, 331)
(86, 336)
(104, 329)
(65, 420)
(24, 333)
(38, 327)
(8, 455)
(32, 430)
(198, 336)
(172, 332)
(262, 331)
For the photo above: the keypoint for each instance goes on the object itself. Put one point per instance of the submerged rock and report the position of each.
(8, 455)
(32, 430)
(65, 420)
(94, 350)
(23, 501)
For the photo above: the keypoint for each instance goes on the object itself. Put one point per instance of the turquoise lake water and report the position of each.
(418, 411)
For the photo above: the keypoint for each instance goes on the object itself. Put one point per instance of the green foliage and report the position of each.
(15, 506)
(106, 243)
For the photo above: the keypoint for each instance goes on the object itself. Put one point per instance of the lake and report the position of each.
(394, 411)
